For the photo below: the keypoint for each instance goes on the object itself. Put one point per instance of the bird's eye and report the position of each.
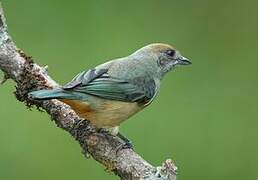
(170, 52)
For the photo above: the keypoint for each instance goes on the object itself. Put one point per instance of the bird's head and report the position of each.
(163, 56)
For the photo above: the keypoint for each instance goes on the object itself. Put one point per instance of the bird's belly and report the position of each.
(106, 113)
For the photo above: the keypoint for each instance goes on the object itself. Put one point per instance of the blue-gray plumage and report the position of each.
(114, 91)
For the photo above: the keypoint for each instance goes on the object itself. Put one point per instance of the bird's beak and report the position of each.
(181, 60)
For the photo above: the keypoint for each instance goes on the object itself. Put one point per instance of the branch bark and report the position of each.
(101, 146)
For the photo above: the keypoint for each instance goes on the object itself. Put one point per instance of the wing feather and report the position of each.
(99, 83)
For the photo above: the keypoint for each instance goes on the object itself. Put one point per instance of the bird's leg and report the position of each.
(115, 131)
(108, 134)
(111, 132)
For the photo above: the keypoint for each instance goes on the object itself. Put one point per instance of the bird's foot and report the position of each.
(127, 143)
(103, 130)
(107, 133)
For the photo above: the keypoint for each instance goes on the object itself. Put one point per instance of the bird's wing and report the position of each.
(99, 83)
(84, 78)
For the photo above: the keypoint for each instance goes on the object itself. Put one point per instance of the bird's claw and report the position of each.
(127, 143)
(103, 130)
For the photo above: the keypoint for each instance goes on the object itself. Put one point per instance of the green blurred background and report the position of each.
(205, 116)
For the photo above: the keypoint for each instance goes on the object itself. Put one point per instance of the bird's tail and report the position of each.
(51, 94)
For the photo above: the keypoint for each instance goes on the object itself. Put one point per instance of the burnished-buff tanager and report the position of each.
(112, 92)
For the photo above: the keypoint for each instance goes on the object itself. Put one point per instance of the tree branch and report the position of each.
(101, 146)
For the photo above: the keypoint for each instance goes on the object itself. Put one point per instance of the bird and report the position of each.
(112, 92)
